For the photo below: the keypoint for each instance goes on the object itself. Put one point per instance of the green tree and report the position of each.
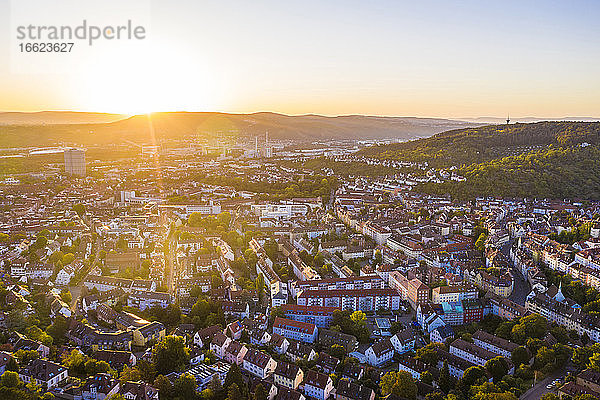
(170, 354)
(164, 387)
(185, 387)
(445, 379)
(519, 356)
(234, 377)
(260, 393)
(10, 379)
(497, 367)
(400, 384)
(359, 318)
(234, 393)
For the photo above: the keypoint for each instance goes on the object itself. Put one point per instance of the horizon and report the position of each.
(574, 118)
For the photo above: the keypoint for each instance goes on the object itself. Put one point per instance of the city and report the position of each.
(163, 272)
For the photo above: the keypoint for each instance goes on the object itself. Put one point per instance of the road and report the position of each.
(521, 288)
(540, 388)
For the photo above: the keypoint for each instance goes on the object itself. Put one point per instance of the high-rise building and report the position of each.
(75, 161)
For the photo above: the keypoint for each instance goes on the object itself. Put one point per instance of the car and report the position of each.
(550, 386)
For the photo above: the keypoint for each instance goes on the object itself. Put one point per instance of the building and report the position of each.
(471, 352)
(74, 161)
(328, 338)
(404, 341)
(288, 375)
(365, 299)
(495, 344)
(380, 353)
(291, 329)
(347, 390)
(320, 316)
(259, 364)
(449, 294)
(317, 385)
(43, 373)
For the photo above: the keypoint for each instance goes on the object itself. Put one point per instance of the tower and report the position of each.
(256, 145)
(508, 119)
(74, 161)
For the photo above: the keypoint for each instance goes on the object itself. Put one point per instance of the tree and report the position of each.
(337, 351)
(131, 374)
(429, 353)
(260, 393)
(445, 379)
(473, 376)
(519, 356)
(497, 367)
(164, 387)
(234, 393)
(10, 379)
(185, 386)
(359, 318)
(426, 377)
(234, 377)
(400, 384)
(170, 354)
(549, 396)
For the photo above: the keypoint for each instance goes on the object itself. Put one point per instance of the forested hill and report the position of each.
(546, 160)
(462, 147)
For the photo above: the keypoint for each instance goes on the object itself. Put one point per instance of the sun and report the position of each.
(130, 81)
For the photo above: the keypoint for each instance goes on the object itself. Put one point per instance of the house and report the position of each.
(144, 299)
(326, 363)
(471, 352)
(347, 390)
(300, 351)
(441, 334)
(234, 353)
(259, 337)
(234, 330)
(288, 375)
(116, 359)
(328, 338)
(258, 363)
(236, 310)
(495, 344)
(380, 353)
(43, 373)
(153, 332)
(218, 344)
(412, 366)
(317, 385)
(22, 343)
(279, 343)
(138, 391)
(404, 341)
(4, 360)
(204, 336)
(353, 371)
(99, 387)
(288, 394)
(291, 329)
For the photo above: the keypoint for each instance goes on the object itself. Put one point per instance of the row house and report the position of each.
(143, 299)
(365, 300)
(320, 316)
(349, 283)
(495, 344)
(291, 329)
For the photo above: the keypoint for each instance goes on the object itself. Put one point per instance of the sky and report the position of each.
(453, 59)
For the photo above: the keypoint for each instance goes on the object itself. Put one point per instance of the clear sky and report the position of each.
(405, 58)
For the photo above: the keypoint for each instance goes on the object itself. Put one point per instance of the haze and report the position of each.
(459, 60)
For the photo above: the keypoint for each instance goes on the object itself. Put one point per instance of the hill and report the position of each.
(461, 147)
(56, 117)
(546, 159)
(142, 128)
